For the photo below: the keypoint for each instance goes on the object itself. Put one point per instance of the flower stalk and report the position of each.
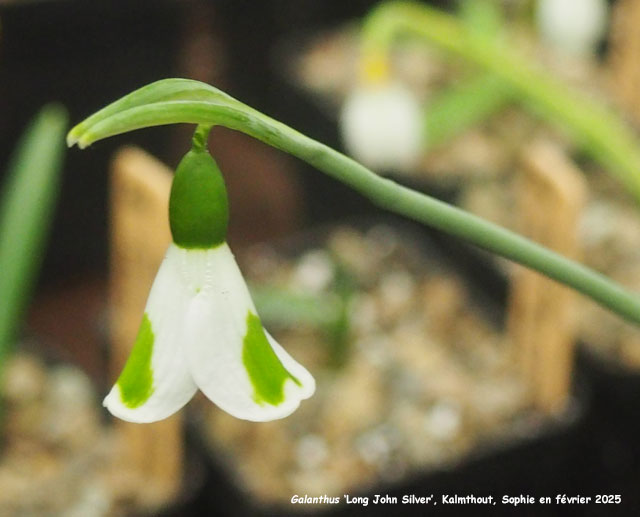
(184, 101)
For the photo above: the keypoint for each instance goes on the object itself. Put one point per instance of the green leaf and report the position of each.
(283, 307)
(26, 208)
(461, 107)
(485, 17)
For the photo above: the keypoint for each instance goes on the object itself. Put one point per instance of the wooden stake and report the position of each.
(541, 314)
(624, 54)
(139, 239)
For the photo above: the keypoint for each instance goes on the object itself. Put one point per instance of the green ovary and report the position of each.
(266, 372)
(198, 205)
(136, 379)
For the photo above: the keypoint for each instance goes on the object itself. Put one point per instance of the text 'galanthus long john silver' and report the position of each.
(200, 329)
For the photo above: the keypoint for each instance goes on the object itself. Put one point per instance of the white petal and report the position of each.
(382, 126)
(572, 26)
(171, 383)
(217, 324)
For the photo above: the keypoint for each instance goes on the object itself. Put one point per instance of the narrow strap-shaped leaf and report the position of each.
(26, 205)
(462, 106)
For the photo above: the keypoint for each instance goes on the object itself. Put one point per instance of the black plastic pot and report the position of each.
(614, 422)
(551, 463)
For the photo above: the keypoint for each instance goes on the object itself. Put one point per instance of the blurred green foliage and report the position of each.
(27, 202)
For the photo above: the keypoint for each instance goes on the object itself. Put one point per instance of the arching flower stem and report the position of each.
(163, 102)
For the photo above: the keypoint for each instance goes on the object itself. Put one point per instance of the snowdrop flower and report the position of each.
(200, 329)
(381, 121)
(572, 26)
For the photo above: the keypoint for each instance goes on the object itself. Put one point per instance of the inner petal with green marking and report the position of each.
(266, 372)
(136, 379)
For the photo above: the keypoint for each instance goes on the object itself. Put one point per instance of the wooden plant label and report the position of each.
(140, 236)
(541, 320)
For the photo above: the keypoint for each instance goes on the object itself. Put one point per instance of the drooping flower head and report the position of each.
(381, 120)
(200, 329)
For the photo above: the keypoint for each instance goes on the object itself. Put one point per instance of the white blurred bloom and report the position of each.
(381, 126)
(572, 26)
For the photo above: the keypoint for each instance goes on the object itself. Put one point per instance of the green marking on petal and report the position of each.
(136, 379)
(266, 372)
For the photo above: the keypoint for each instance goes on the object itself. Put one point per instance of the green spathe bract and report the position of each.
(136, 379)
(266, 372)
(198, 206)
